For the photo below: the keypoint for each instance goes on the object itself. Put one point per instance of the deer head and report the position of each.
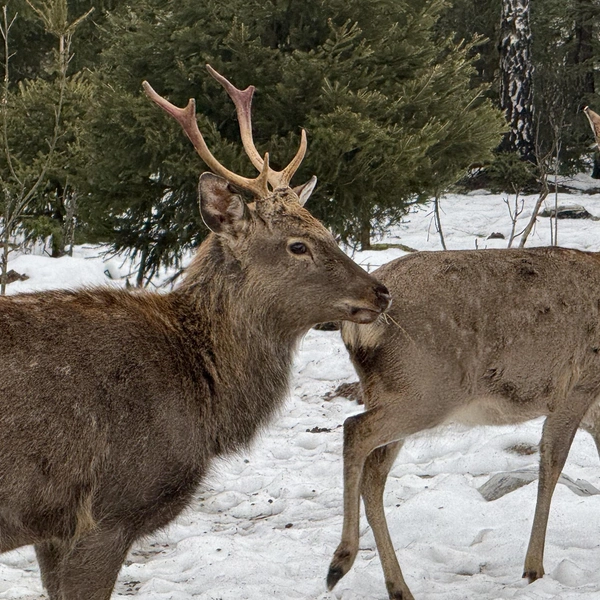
(276, 244)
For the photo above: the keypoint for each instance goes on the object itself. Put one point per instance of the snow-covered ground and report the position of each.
(265, 524)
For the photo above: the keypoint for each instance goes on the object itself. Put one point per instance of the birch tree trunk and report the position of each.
(516, 78)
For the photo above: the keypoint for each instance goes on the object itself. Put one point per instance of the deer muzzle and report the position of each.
(366, 311)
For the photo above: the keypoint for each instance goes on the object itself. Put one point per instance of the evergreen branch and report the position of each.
(44, 16)
(79, 20)
(65, 46)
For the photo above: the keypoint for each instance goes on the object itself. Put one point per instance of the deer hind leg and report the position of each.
(50, 555)
(375, 472)
(558, 433)
(363, 433)
(91, 567)
(591, 423)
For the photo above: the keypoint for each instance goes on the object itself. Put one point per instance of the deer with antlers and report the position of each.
(113, 404)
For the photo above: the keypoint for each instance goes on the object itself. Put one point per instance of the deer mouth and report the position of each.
(368, 311)
(363, 315)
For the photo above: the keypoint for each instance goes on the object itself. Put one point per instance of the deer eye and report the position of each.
(298, 248)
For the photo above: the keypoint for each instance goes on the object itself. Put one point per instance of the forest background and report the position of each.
(402, 100)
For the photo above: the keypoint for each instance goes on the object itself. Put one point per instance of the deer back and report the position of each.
(517, 325)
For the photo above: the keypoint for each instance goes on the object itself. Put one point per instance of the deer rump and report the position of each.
(478, 337)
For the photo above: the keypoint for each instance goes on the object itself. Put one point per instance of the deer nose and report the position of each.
(384, 298)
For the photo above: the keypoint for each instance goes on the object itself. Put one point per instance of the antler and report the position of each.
(594, 120)
(186, 117)
(243, 101)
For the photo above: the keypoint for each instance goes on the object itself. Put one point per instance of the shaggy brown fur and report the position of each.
(114, 403)
(481, 337)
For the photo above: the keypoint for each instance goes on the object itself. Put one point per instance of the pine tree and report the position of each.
(35, 70)
(32, 117)
(391, 113)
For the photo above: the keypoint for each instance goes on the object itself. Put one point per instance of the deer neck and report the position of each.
(245, 354)
(221, 295)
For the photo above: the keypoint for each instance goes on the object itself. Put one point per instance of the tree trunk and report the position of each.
(139, 280)
(4, 260)
(516, 78)
(438, 220)
(57, 247)
(365, 236)
(583, 54)
(70, 204)
(57, 240)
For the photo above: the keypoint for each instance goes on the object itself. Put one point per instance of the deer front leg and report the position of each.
(50, 555)
(375, 472)
(558, 433)
(362, 434)
(90, 569)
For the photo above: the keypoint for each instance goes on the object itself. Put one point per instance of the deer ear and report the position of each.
(304, 191)
(222, 208)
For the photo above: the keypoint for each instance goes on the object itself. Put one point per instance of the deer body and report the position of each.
(114, 403)
(117, 366)
(482, 337)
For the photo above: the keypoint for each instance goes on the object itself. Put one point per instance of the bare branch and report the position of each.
(514, 215)
(5, 91)
(438, 221)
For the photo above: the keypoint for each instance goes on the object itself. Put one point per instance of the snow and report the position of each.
(265, 523)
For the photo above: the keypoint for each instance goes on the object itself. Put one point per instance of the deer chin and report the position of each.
(361, 314)
(364, 316)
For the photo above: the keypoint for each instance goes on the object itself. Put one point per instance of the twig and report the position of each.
(514, 216)
(438, 222)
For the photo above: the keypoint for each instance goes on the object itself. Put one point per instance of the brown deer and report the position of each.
(113, 404)
(478, 337)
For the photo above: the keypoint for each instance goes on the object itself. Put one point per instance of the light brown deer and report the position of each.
(479, 337)
(113, 404)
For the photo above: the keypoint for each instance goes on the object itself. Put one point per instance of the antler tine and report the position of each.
(594, 120)
(186, 117)
(290, 170)
(243, 102)
(243, 106)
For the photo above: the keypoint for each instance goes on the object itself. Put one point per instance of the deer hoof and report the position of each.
(533, 574)
(396, 593)
(333, 576)
(340, 565)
